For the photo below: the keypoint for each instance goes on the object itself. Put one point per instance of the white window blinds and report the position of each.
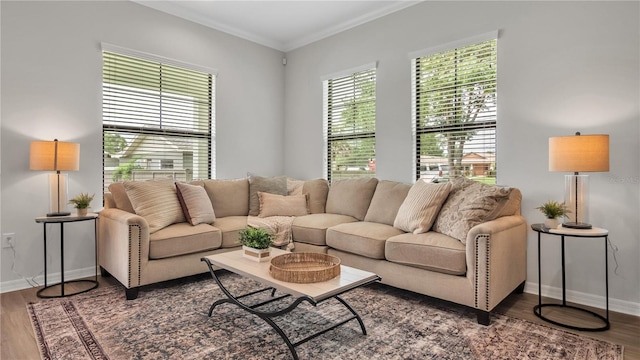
(158, 120)
(455, 113)
(350, 125)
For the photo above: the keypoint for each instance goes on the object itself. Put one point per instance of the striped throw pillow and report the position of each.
(420, 208)
(156, 201)
(195, 203)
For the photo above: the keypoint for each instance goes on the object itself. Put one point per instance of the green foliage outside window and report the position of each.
(456, 103)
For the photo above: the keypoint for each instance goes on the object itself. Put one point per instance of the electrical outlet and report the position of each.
(8, 240)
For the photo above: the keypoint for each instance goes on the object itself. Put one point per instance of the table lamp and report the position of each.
(55, 156)
(579, 153)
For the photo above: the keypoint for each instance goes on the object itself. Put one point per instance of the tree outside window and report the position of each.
(455, 111)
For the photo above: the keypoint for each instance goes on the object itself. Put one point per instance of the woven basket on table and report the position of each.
(304, 267)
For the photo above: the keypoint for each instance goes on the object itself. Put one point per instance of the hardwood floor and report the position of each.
(18, 342)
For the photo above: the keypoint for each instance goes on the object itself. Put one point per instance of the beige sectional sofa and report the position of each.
(461, 241)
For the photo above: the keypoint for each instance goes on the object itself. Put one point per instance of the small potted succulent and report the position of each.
(81, 203)
(552, 210)
(256, 243)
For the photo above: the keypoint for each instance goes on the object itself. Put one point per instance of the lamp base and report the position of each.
(576, 225)
(54, 214)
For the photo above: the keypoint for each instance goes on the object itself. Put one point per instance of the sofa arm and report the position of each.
(497, 259)
(123, 245)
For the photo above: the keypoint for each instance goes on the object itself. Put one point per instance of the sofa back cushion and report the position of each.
(386, 201)
(156, 201)
(317, 190)
(351, 197)
(228, 197)
(471, 203)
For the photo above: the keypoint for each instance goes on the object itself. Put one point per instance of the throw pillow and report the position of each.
(469, 204)
(195, 204)
(420, 208)
(156, 201)
(278, 205)
(273, 185)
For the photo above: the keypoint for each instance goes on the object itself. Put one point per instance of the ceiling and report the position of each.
(282, 25)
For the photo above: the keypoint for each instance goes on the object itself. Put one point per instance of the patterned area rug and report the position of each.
(170, 321)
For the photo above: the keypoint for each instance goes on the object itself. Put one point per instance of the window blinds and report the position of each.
(350, 125)
(157, 120)
(455, 113)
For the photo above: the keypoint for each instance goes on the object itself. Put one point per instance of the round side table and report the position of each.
(63, 220)
(580, 233)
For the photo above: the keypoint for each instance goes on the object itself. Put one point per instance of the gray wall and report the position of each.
(51, 88)
(562, 67)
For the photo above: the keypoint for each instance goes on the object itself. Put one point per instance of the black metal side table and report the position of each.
(63, 220)
(562, 232)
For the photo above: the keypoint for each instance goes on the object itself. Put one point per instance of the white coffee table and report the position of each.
(313, 293)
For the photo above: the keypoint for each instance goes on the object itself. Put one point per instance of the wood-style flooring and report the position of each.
(18, 342)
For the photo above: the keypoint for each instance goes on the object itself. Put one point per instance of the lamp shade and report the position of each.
(579, 153)
(54, 156)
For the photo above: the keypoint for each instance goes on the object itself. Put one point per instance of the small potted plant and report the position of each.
(256, 243)
(552, 210)
(81, 203)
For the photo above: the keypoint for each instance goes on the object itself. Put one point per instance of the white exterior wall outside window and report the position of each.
(455, 110)
(349, 106)
(158, 118)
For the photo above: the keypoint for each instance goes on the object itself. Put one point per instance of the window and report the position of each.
(350, 124)
(157, 119)
(455, 112)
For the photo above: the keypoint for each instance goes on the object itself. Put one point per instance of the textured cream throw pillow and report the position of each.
(156, 201)
(279, 205)
(470, 203)
(420, 208)
(195, 204)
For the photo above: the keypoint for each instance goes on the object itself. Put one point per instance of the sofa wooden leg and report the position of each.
(131, 294)
(519, 289)
(483, 317)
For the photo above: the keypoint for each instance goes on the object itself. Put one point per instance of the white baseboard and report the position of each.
(596, 301)
(52, 278)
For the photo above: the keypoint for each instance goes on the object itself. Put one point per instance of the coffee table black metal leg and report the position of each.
(355, 314)
(267, 316)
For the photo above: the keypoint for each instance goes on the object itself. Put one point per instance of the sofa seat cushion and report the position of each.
(361, 238)
(230, 227)
(432, 251)
(312, 229)
(183, 238)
